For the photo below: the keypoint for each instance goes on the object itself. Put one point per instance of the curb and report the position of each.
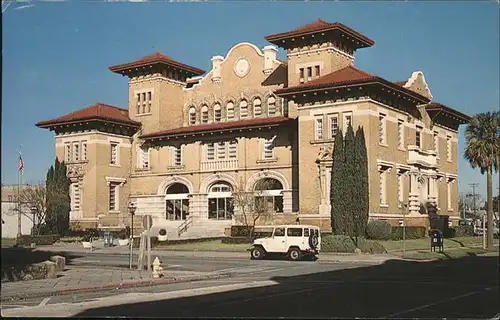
(117, 286)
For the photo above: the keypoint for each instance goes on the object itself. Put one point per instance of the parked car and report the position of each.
(295, 241)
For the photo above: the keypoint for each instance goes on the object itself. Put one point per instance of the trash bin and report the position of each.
(437, 241)
(108, 239)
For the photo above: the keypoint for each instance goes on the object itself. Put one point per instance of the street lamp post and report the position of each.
(131, 210)
(33, 210)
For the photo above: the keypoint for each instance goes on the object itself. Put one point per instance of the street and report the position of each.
(466, 288)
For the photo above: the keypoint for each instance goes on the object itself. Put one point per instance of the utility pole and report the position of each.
(474, 186)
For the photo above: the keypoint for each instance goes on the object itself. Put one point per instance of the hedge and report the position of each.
(370, 246)
(27, 240)
(463, 231)
(337, 243)
(410, 233)
(378, 230)
(240, 231)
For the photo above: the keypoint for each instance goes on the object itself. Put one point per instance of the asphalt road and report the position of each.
(462, 288)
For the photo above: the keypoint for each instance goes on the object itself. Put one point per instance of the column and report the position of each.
(198, 206)
(414, 205)
(287, 201)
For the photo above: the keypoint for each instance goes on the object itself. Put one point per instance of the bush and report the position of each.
(236, 240)
(464, 231)
(370, 246)
(27, 240)
(337, 243)
(378, 230)
(449, 232)
(240, 231)
(410, 233)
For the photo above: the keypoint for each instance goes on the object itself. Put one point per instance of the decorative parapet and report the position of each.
(423, 158)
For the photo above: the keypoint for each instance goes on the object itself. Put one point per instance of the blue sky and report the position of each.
(56, 55)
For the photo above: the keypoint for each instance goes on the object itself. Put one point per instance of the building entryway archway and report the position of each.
(220, 201)
(177, 202)
(269, 192)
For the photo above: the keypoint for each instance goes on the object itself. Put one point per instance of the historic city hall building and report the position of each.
(188, 138)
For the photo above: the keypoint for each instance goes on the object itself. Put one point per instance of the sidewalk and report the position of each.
(78, 279)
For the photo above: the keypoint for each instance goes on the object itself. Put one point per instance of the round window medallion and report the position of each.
(241, 67)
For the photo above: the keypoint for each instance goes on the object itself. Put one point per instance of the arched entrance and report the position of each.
(220, 201)
(177, 202)
(269, 193)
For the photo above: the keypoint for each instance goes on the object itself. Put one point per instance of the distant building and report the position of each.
(187, 137)
(9, 213)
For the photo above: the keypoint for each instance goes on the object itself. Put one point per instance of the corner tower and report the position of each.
(156, 82)
(318, 48)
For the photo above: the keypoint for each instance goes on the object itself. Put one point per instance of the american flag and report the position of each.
(21, 163)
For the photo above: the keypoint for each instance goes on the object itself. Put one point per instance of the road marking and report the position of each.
(44, 302)
(425, 306)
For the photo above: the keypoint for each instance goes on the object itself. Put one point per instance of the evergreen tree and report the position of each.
(361, 184)
(337, 200)
(351, 176)
(58, 200)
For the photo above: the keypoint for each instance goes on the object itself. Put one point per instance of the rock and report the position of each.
(357, 251)
(59, 261)
(43, 270)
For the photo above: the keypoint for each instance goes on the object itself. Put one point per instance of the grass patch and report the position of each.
(424, 244)
(446, 255)
(214, 245)
(8, 242)
(71, 239)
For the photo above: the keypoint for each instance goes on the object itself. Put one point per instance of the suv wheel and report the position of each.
(294, 254)
(256, 253)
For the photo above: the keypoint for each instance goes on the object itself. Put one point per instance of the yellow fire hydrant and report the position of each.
(157, 268)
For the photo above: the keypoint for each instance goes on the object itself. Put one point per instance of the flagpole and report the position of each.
(19, 175)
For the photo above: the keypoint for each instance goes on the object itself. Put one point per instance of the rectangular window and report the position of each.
(177, 156)
(84, 150)
(233, 146)
(113, 196)
(217, 114)
(334, 125)
(400, 189)
(346, 121)
(382, 178)
(448, 191)
(210, 151)
(144, 157)
(138, 99)
(149, 102)
(221, 150)
(381, 128)
(301, 71)
(67, 152)
(319, 129)
(448, 148)
(76, 151)
(144, 102)
(75, 196)
(271, 106)
(309, 73)
(401, 134)
(436, 142)
(230, 111)
(243, 110)
(268, 152)
(114, 153)
(317, 71)
(418, 137)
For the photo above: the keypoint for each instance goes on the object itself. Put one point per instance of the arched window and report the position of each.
(243, 109)
(269, 195)
(192, 115)
(271, 106)
(220, 201)
(177, 202)
(217, 113)
(257, 107)
(204, 114)
(230, 110)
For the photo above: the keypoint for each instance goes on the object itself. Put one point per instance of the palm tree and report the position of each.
(483, 150)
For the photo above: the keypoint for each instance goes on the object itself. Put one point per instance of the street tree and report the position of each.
(361, 184)
(482, 138)
(337, 195)
(58, 200)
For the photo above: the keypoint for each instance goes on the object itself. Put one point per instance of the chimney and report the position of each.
(269, 58)
(216, 68)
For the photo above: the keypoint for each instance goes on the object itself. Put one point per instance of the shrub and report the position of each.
(337, 243)
(378, 230)
(26, 240)
(236, 240)
(370, 246)
(410, 233)
(463, 231)
(163, 232)
(449, 232)
(240, 231)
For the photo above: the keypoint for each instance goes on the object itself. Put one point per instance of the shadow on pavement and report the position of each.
(466, 287)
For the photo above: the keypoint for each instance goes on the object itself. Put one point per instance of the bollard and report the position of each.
(157, 268)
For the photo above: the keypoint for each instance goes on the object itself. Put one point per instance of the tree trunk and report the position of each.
(489, 200)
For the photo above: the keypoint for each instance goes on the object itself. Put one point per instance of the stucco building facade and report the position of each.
(189, 139)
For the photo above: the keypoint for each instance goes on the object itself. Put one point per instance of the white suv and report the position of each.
(295, 241)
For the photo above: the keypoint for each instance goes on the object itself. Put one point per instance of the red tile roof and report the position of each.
(346, 76)
(98, 111)
(436, 109)
(318, 26)
(219, 127)
(156, 58)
